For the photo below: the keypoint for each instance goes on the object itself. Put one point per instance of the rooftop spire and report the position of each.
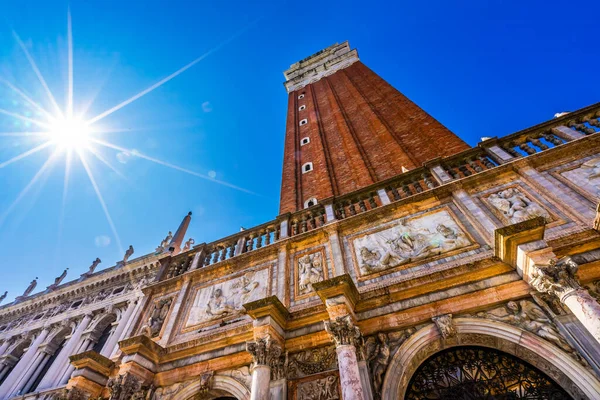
(175, 245)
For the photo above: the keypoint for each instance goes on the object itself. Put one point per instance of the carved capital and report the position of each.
(264, 351)
(558, 278)
(343, 332)
(445, 325)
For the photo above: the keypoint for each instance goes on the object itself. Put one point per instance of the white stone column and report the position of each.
(129, 325)
(264, 351)
(558, 278)
(110, 344)
(61, 362)
(11, 381)
(28, 376)
(261, 381)
(41, 362)
(346, 335)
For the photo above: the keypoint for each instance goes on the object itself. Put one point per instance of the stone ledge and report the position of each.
(509, 237)
(93, 361)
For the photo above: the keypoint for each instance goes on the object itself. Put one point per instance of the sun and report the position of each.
(70, 133)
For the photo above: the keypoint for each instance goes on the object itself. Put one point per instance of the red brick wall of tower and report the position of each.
(361, 131)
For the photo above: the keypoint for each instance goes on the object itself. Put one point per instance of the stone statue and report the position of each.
(94, 265)
(164, 245)
(3, 296)
(128, 254)
(188, 245)
(516, 207)
(30, 288)
(310, 270)
(596, 224)
(58, 280)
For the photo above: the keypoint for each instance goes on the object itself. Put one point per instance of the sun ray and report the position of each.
(61, 218)
(29, 186)
(168, 78)
(101, 200)
(105, 161)
(27, 98)
(24, 118)
(169, 165)
(26, 154)
(70, 66)
(37, 72)
(24, 134)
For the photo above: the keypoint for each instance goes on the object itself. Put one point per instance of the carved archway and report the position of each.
(221, 387)
(576, 380)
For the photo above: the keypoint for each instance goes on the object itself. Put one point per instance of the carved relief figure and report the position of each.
(379, 351)
(320, 389)
(310, 270)
(158, 317)
(409, 241)
(445, 325)
(226, 299)
(515, 207)
(312, 361)
(530, 317)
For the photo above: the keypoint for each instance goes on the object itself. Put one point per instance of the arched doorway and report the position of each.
(480, 373)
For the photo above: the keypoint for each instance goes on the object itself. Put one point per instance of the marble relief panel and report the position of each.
(513, 205)
(583, 177)
(410, 240)
(316, 387)
(309, 267)
(224, 300)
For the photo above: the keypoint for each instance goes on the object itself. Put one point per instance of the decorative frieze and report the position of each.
(312, 362)
(327, 388)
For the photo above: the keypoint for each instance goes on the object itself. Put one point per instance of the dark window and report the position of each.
(102, 339)
(46, 366)
(480, 373)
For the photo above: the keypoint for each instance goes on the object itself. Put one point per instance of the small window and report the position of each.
(76, 304)
(302, 107)
(307, 167)
(118, 290)
(304, 141)
(301, 96)
(303, 122)
(310, 202)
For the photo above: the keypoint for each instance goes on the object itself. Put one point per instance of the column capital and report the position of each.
(344, 332)
(557, 278)
(264, 351)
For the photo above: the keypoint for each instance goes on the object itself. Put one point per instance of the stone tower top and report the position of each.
(347, 129)
(320, 64)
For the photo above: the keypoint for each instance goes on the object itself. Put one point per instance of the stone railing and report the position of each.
(487, 155)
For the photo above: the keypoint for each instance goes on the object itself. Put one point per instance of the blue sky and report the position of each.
(481, 68)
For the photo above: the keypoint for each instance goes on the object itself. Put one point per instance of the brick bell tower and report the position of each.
(347, 128)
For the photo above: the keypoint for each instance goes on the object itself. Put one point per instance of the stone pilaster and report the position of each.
(268, 371)
(340, 296)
